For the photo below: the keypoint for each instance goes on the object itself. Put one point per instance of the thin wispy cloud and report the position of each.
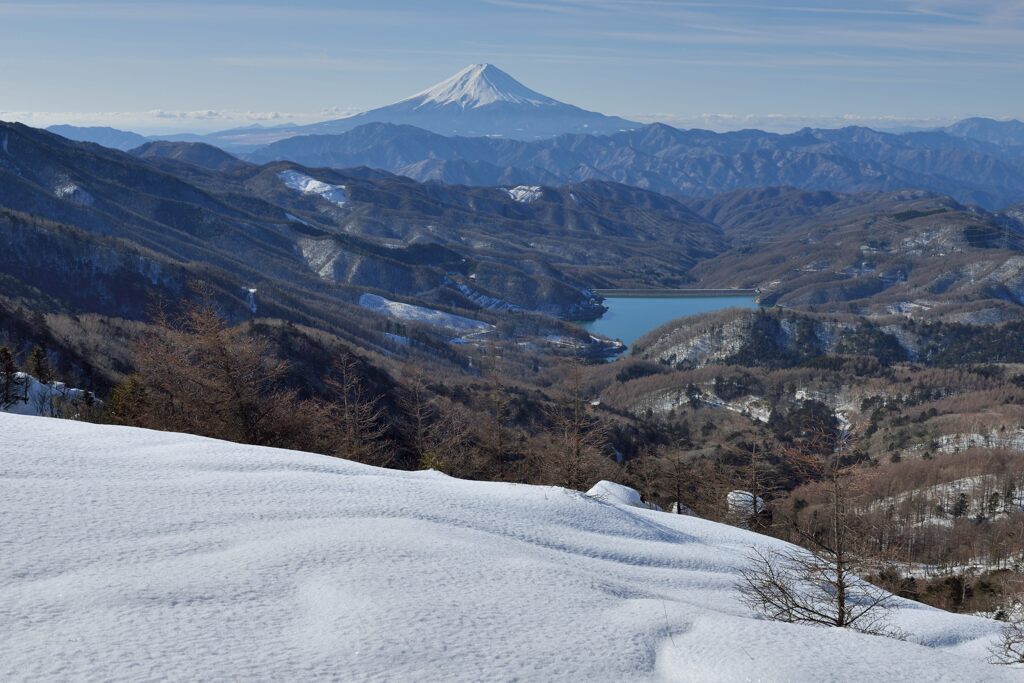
(907, 58)
(169, 121)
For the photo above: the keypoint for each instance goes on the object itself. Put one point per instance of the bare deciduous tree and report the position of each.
(495, 437)
(1009, 649)
(820, 585)
(758, 480)
(358, 417)
(575, 450)
(446, 443)
(805, 588)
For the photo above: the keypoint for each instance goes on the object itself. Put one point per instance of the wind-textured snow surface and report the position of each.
(306, 185)
(130, 554)
(422, 314)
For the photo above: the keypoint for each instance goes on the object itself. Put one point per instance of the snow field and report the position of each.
(133, 554)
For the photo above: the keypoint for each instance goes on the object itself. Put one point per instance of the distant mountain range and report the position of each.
(89, 229)
(101, 135)
(989, 130)
(686, 163)
(482, 127)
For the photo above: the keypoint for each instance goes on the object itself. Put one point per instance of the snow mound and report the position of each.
(132, 554)
(610, 492)
(421, 314)
(525, 193)
(303, 183)
(479, 85)
(742, 503)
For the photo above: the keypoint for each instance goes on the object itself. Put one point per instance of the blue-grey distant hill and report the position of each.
(482, 127)
(684, 162)
(101, 135)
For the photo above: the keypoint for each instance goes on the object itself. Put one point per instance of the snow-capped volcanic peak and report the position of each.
(479, 85)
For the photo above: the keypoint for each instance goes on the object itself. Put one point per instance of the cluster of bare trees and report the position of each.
(951, 512)
(197, 374)
(574, 451)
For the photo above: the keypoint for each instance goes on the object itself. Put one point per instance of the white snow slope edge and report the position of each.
(132, 554)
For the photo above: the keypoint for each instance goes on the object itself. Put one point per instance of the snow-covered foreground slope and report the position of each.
(131, 554)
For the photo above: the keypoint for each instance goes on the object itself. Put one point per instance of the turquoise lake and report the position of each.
(629, 318)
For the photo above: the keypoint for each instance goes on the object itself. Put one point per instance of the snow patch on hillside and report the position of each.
(422, 314)
(73, 193)
(37, 398)
(303, 183)
(1012, 439)
(135, 554)
(250, 297)
(525, 193)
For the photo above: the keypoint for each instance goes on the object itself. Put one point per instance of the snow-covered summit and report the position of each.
(479, 100)
(131, 554)
(479, 85)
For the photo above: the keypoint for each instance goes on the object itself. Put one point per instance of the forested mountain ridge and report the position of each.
(684, 162)
(909, 253)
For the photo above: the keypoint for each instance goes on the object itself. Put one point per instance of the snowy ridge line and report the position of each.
(286, 565)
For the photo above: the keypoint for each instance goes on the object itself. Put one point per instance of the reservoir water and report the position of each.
(631, 317)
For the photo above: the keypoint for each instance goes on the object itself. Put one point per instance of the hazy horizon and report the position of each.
(160, 67)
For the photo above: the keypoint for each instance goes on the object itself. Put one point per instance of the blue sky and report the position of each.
(186, 65)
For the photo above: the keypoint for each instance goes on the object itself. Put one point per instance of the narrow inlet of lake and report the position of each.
(631, 317)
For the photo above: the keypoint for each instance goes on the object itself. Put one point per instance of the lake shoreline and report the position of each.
(632, 313)
(673, 293)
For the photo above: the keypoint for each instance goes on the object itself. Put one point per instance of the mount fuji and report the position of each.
(480, 100)
(483, 100)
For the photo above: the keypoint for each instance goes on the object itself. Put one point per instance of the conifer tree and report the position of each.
(12, 386)
(39, 365)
